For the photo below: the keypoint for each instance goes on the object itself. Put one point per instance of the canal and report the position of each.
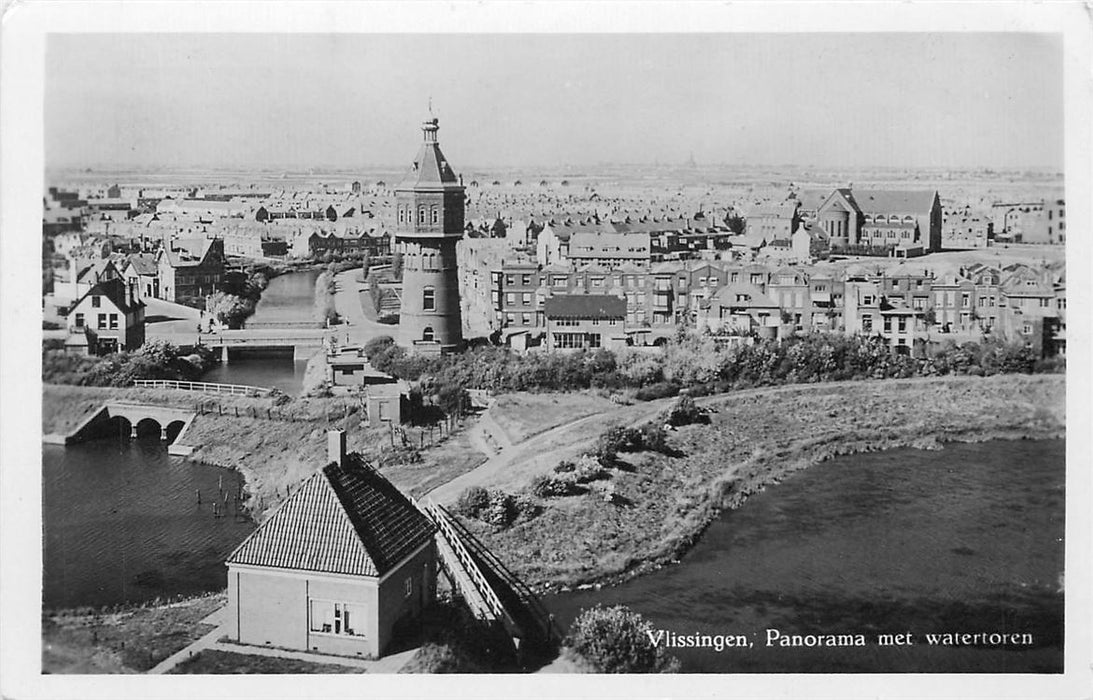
(289, 298)
(122, 523)
(965, 539)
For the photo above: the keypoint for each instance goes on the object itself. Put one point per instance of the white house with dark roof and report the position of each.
(109, 317)
(336, 567)
(882, 220)
(579, 321)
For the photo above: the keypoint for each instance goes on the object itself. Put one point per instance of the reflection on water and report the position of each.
(122, 523)
(289, 298)
(965, 539)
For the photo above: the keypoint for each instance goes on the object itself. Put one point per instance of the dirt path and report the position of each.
(347, 302)
(516, 464)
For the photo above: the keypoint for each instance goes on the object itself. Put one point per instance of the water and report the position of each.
(966, 539)
(122, 523)
(288, 298)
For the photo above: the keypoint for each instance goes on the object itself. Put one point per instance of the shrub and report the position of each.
(684, 412)
(617, 640)
(472, 502)
(564, 467)
(502, 510)
(545, 486)
(659, 390)
(589, 468)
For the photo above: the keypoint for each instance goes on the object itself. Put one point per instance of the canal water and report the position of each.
(965, 539)
(289, 298)
(122, 523)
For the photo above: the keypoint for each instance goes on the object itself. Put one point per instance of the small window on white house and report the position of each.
(328, 617)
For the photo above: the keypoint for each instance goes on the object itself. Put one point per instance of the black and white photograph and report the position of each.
(723, 344)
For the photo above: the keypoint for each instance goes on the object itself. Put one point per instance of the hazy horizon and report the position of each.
(344, 102)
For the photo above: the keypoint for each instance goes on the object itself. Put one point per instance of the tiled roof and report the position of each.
(585, 306)
(143, 263)
(431, 168)
(343, 520)
(893, 201)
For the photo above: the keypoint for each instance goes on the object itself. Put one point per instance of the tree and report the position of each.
(396, 266)
(618, 640)
(736, 223)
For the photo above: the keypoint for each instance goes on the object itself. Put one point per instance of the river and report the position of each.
(288, 298)
(122, 523)
(965, 539)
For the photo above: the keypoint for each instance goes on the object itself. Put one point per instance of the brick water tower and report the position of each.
(430, 222)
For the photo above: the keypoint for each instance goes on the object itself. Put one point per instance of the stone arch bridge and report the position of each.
(133, 419)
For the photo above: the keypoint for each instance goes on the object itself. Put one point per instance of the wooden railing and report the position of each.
(205, 387)
(467, 564)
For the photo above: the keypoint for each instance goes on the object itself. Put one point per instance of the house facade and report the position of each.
(585, 321)
(882, 222)
(337, 567)
(108, 318)
(190, 269)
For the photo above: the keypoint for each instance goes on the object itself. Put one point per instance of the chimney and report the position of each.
(335, 447)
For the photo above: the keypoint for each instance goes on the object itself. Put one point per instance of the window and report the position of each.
(902, 324)
(558, 281)
(409, 586)
(526, 280)
(401, 215)
(435, 215)
(79, 320)
(421, 215)
(1027, 329)
(525, 298)
(96, 302)
(510, 298)
(593, 340)
(526, 319)
(328, 617)
(102, 321)
(428, 299)
(867, 324)
(568, 340)
(510, 280)
(114, 321)
(965, 300)
(597, 281)
(427, 334)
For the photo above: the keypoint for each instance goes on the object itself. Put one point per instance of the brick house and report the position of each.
(190, 269)
(584, 321)
(337, 567)
(108, 318)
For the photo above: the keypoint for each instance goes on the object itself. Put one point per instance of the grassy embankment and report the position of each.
(216, 661)
(755, 438)
(132, 640)
(524, 415)
(274, 447)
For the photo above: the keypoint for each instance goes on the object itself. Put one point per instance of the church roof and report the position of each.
(430, 168)
(343, 520)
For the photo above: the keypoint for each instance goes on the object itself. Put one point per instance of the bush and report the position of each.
(545, 486)
(684, 412)
(472, 502)
(660, 390)
(589, 468)
(617, 640)
(564, 467)
(502, 510)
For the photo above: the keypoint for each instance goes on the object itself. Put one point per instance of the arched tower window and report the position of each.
(401, 215)
(436, 215)
(428, 300)
(421, 215)
(427, 334)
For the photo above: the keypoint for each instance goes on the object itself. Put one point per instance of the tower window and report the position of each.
(401, 215)
(421, 215)
(427, 334)
(436, 215)
(428, 299)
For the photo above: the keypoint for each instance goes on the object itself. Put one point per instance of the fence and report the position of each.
(205, 387)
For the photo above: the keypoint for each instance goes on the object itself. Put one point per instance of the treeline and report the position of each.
(325, 310)
(156, 359)
(700, 365)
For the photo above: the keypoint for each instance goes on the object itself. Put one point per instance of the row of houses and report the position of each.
(632, 305)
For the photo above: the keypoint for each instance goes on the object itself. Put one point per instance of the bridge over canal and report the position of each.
(303, 340)
(132, 419)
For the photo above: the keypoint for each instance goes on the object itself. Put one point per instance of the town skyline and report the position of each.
(605, 100)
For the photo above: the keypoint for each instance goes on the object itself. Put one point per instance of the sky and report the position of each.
(357, 100)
